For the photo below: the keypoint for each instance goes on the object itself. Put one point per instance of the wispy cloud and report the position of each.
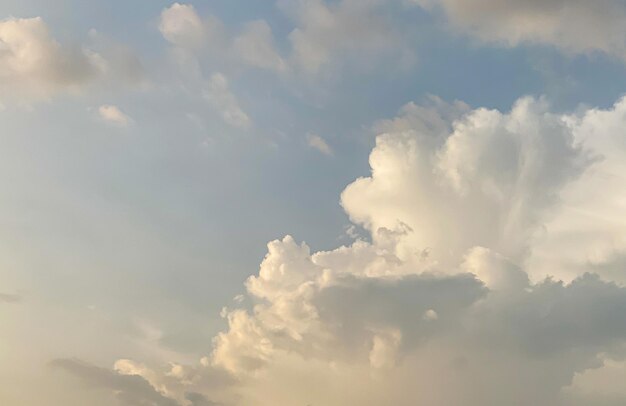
(218, 94)
(573, 26)
(316, 142)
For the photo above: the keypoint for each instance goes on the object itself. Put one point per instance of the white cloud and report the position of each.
(319, 143)
(496, 272)
(217, 93)
(385, 347)
(496, 174)
(181, 25)
(431, 315)
(113, 115)
(574, 26)
(34, 66)
(588, 233)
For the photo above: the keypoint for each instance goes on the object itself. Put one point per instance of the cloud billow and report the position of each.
(446, 303)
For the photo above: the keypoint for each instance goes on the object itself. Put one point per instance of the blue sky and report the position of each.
(151, 150)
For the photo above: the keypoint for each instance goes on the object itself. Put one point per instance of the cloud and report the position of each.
(576, 26)
(218, 94)
(318, 143)
(605, 379)
(445, 301)
(10, 298)
(198, 399)
(181, 25)
(442, 304)
(498, 174)
(325, 35)
(255, 46)
(207, 38)
(113, 115)
(588, 233)
(120, 64)
(35, 66)
(130, 390)
(171, 384)
(318, 322)
(326, 32)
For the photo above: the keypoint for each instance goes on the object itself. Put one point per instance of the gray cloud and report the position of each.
(326, 32)
(198, 399)
(575, 26)
(36, 65)
(587, 314)
(130, 390)
(356, 307)
(10, 298)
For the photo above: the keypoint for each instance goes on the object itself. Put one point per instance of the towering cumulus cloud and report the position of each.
(450, 301)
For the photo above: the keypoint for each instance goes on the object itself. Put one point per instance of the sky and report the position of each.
(312, 202)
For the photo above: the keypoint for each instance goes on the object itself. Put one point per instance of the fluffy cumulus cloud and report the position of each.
(447, 302)
(33, 65)
(572, 25)
(496, 174)
(181, 25)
